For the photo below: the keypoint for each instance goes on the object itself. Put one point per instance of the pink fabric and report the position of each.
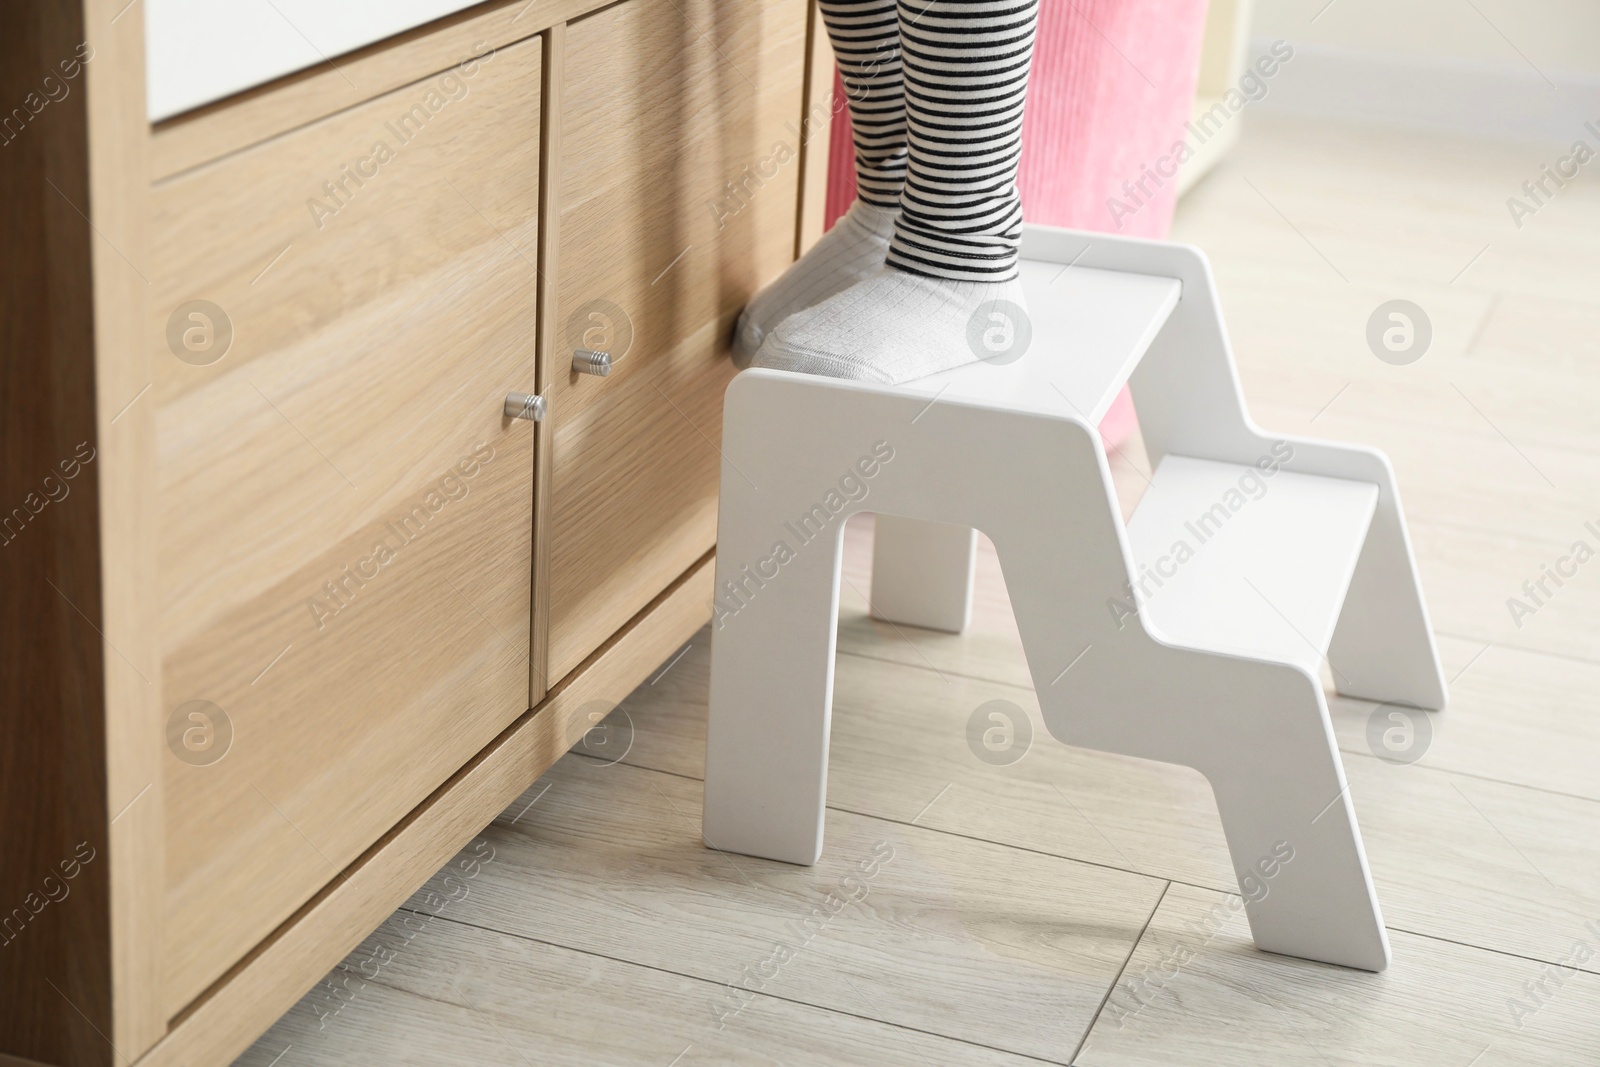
(841, 159)
(1110, 92)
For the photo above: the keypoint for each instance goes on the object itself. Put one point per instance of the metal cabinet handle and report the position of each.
(587, 362)
(525, 406)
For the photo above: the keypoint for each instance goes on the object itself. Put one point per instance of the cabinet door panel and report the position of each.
(346, 517)
(679, 185)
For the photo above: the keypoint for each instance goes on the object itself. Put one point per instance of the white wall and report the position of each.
(1561, 36)
(1511, 68)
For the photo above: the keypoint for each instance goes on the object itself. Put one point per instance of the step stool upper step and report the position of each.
(1253, 560)
(1089, 327)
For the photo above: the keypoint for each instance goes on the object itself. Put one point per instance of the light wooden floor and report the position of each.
(994, 914)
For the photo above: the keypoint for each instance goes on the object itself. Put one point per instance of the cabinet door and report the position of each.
(346, 515)
(678, 193)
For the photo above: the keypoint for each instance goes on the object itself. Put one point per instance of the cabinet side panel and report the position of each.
(54, 929)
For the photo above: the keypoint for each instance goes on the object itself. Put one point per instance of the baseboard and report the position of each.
(1208, 152)
(250, 998)
(1396, 89)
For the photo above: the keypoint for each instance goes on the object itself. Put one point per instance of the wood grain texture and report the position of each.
(129, 524)
(610, 861)
(816, 125)
(899, 751)
(52, 781)
(666, 103)
(1198, 985)
(476, 996)
(990, 649)
(77, 743)
(267, 984)
(376, 315)
(555, 53)
(1508, 866)
(1515, 716)
(7, 1060)
(1195, 984)
(1494, 865)
(342, 82)
(1501, 866)
(345, 512)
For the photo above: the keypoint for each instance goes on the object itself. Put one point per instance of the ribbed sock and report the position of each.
(865, 35)
(849, 252)
(896, 326)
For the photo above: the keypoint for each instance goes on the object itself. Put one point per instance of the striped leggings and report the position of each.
(935, 89)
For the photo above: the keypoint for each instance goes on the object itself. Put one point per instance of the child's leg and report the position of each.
(951, 284)
(865, 35)
(866, 42)
(966, 76)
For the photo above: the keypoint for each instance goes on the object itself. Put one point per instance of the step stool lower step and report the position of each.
(1251, 560)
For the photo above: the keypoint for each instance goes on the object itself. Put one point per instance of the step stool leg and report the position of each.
(922, 573)
(1383, 647)
(1258, 730)
(1296, 848)
(772, 651)
(1312, 900)
(1260, 734)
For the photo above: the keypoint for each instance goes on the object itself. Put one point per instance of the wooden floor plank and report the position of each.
(1197, 992)
(990, 649)
(949, 936)
(899, 750)
(1526, 718)
(456, 994)
(1493, 864)
(1516, 715)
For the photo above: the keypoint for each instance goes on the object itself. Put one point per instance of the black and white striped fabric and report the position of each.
(935, 89)
(966, 73)
(866, 43)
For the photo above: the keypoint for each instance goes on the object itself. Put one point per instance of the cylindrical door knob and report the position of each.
(587, 362)
(525, 406)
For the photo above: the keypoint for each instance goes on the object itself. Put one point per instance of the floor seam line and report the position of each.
(946, 833)
(1112, 988)
(713, 983)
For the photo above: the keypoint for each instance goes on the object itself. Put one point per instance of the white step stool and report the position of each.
(1210, 658)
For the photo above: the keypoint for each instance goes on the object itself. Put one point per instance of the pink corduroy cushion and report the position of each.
(1111, 89)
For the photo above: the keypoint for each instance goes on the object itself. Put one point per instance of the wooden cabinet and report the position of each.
(311, 610)
(345, 515)
(679, 176)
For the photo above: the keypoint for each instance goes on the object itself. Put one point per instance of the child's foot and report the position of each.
(895, 327)
(852, 250)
